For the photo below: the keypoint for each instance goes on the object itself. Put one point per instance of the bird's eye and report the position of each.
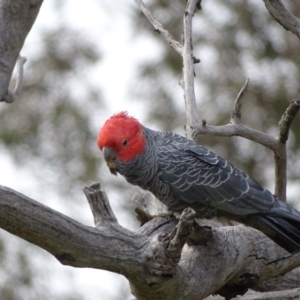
(124, 143)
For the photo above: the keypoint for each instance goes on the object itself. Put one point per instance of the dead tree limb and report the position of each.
(285, 18)
(156, 260)
(16, 20)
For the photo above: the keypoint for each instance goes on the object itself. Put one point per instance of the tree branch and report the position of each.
(158, 27)
(283, 16)
(100, 207)
(277, 145)
(187, 54)
(69, 241)
(152, 259)
(16, 20)
(287, 119)
(188, 69)
(237, 130)
(236, 113)
(11, 96)
(280, 155)
(234, 128)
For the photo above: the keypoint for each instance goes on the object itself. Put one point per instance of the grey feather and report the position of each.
(183, 174)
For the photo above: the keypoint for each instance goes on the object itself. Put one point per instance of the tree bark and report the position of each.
(16, 20)
(159, 260)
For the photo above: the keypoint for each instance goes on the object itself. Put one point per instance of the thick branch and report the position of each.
(16, 20)
(283, 16)
(69, 241)
(241, 250)
(203, 235)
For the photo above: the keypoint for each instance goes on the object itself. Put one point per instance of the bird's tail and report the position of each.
(281, 225)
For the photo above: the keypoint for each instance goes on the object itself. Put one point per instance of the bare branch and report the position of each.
(188, 69)
(287, 119)
(280, 155)
(283, 16)
(69, 241)
(11, 96)
(280, 160)
(148, 260)
(236, 113)
(16, 20)
(158, 27)
(277, 145)
(188, 59)
(238, 130)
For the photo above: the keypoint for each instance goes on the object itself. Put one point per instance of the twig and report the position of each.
(158, 27)
(283, 16)
(188, 59)
(11, 96)
(236, 113)
(287, 119)
(188, 69)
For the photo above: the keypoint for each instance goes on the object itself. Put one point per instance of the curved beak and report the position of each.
(110, 156)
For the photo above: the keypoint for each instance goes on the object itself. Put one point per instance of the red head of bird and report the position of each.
(121, 138)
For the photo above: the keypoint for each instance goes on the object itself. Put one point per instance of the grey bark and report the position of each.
(285, 18)
(16, 20)
(159, 260)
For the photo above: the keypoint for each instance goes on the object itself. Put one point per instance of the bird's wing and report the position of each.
(195, 174)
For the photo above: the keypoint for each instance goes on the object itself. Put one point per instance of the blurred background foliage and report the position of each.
(51, 128)
(50, 124)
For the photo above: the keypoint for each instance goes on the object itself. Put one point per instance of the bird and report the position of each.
(181, 173)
